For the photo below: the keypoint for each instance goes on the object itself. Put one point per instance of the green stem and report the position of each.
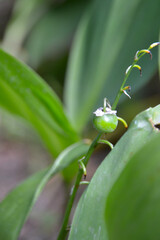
(106, 142)
(125, 79)
(122, 86)
(83, 168)
(63, 233)
(123, 121)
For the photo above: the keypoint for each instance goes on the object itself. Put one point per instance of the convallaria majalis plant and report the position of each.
(26, 95)
(105, 120)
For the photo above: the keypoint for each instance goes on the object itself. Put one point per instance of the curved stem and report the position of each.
(139, 54)
(126, 77)
(123, 121)
(122, 86)
(106, 142)
(63, 233)
(83, 168)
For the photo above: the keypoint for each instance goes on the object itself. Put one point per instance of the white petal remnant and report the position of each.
(127, 70)
(154, 45)
(99, 112)
(126, 94)
(136, 55)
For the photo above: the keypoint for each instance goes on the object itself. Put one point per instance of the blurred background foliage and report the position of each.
(103, 39)
(82, 49)
(41, 33)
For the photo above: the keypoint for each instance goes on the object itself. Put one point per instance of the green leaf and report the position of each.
(24, 93)
(133, 205)
(15, 208)
(24, 15)
(89, 220)
(105, 44)
(53, 33)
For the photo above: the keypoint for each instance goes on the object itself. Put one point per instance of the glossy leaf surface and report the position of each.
(89, 220)
(106, 42)
(25, 94)
(15, 208)
(133, 204)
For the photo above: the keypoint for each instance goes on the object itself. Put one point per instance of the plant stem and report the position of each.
(63, 233)
(125, 79)
(122, 86)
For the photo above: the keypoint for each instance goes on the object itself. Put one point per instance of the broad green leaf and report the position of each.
(24, 93)
(15, 208)
(133, 205)
(53, 33)
(107, 39)
(89, 220)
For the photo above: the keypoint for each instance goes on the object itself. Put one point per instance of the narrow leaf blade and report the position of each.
(16, 206)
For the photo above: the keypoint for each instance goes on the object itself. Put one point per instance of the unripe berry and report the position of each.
(105, 121)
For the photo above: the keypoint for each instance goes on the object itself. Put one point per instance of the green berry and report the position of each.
(105, 121)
